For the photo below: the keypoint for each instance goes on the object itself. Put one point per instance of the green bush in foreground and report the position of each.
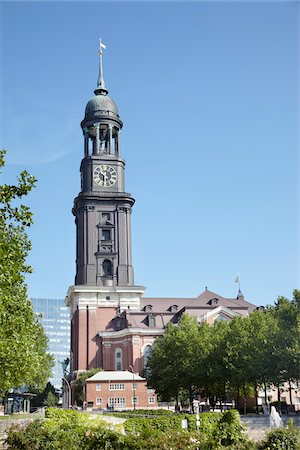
(141, 412)
(223, 429)
(287, 438)
(72, 430)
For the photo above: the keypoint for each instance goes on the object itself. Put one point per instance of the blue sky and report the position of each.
(207, 92)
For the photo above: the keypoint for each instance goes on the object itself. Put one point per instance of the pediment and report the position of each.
(105, 223)
(220, 311)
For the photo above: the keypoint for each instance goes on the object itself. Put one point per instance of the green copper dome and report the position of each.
(101, 107)
(101, 103)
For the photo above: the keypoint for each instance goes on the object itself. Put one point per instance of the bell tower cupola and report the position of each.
(103, 209)
(101, 125)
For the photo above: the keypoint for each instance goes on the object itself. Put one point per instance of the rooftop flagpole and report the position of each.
(237, 280)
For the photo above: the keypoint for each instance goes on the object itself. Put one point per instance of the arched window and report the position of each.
(147, 353)
(118, 359)
(107, 268)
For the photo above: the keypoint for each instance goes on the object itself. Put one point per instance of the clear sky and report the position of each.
(207, 92)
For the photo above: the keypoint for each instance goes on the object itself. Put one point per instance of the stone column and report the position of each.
(110, 138)
(82, 341)
(122, 247)
(97, 126)
(86, 143)
(129, 247)
(117, 142)
(91, 338)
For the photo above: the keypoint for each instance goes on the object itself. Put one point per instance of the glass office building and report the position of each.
(55, 318)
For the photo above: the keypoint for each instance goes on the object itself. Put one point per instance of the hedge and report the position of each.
(74, 430)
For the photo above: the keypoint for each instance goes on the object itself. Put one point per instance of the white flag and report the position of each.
(102, 45)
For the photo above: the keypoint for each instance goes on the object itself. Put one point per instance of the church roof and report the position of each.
(206, 300)
(156, 313)
(112, 375)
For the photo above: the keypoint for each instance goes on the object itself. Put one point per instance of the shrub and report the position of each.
(217, 428)
(164, 441)
(287, 438)
(64, 429)
(72, 430)
(66, 416)
(141, 413)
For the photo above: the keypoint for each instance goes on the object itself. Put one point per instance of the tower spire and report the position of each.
(101, 89)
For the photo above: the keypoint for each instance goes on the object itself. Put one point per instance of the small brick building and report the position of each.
(118, 390)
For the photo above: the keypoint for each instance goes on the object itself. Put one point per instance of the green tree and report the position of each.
(79, 383)
(42, 394)
(23, 344)
(175, 362)
(51, 399)
(286, 346)
(216, 383)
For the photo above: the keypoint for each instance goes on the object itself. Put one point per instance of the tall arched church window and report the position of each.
(147, 353)
(118, 359)
(107, 268)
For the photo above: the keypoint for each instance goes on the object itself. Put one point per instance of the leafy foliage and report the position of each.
(79, 384)
(287, 438)
(237, 357)
(23, 343)
(67, 429)
(42, 394)
(51, 399)
(141, 413)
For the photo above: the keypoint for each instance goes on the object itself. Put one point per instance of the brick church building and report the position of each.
(113, 326)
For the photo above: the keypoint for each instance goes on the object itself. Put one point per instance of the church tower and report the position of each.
(103, 208)
(104, 284)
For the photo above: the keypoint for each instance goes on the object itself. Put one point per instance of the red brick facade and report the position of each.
(118, 393)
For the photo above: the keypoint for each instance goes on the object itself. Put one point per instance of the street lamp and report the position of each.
(69, 392)
(133, 385)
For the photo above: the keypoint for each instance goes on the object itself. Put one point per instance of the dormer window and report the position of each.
(214, 301)
(174, 308)
(151, 321)
(148, 308)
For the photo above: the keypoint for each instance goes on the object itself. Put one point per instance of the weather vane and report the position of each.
(101, 83)
(101, 47)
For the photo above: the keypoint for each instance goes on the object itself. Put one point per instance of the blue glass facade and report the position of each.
(55, 318)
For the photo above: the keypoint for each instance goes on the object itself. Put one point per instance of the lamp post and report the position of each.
(69, 392)
(133, 385)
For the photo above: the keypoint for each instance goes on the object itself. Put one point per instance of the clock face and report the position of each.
(105, 175)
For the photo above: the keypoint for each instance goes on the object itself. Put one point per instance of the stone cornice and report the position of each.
(130, 331)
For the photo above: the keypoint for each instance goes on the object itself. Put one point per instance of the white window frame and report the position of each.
(134, 386)
(116, 386)
(134, 400)
(117, 402)
(151, 400)
(98, 401)
(98, 387)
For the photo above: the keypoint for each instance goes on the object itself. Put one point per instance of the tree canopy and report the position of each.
(23, 343)
(240, 356)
